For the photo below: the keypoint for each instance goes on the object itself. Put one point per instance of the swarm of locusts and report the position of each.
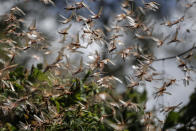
(64, 96)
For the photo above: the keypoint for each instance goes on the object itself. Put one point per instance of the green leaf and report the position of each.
(171, 120)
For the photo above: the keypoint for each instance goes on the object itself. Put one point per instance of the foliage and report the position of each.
(184, 119)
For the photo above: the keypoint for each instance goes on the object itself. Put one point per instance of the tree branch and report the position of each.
(173, 57)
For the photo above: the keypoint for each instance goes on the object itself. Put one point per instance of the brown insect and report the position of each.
(64, 32)
(96, 60)
(58, 59)
(171, 108)
(175, 39)
(66, 20)
(182, 63)
(73, 46)
(112, 46)
(32, 26)
(154, 6)
(48, 2)
(103, 62)
(125, 53)
(170, 24)
(17, 10)
(132, 83)
(105, 81)
(115, 36)
(12, 105)
(82, 18)
(190, 5)
(187, 78)
(125, 4)
(116, 126)
(98, 14)
(162, 91)
(80, 69)
(158, 41)
(188, 56)
(113, 28)
(7, 68)
(132, 22)
(172, 81)
(78, 5)
(120, 17)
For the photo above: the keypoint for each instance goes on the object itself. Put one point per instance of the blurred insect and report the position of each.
(68, 64)
(103, 62)
(17, 10)
(22, 48)
(172, 81)
(175, 39)
(113, 42)
(112, 46)
(107, 81)
(12, 105)
(33, 35)
(48, 2)
(128, 12)
(10, 17)
(64, 32)
(113, 28)
(96, 59)
(58, 59)
(150, 77)
(36, 57)
(109, 78)
(170, 24)
(162, 91)
(116, 126)
(182, 63)
(187, 78)
(130, 104)
(82, 18)
(190, 5)
(132, 22)
(132, 83)
(7, 68)
(24, 126)
(80, 69)
(73, 46)
(66, 20)
(189, 55)
(120, 17)
(123, 16)
(171, 108)
(72, 7)
(125, 53)
(9, 42)
(63, 89)
(125, 4)
(141, 72)
(98, 14)
(39, 120)
(32, 26)
(115, 36)
(12, 27)
(158, 41)
(78, 5)
(154, 6)
(147, 120)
